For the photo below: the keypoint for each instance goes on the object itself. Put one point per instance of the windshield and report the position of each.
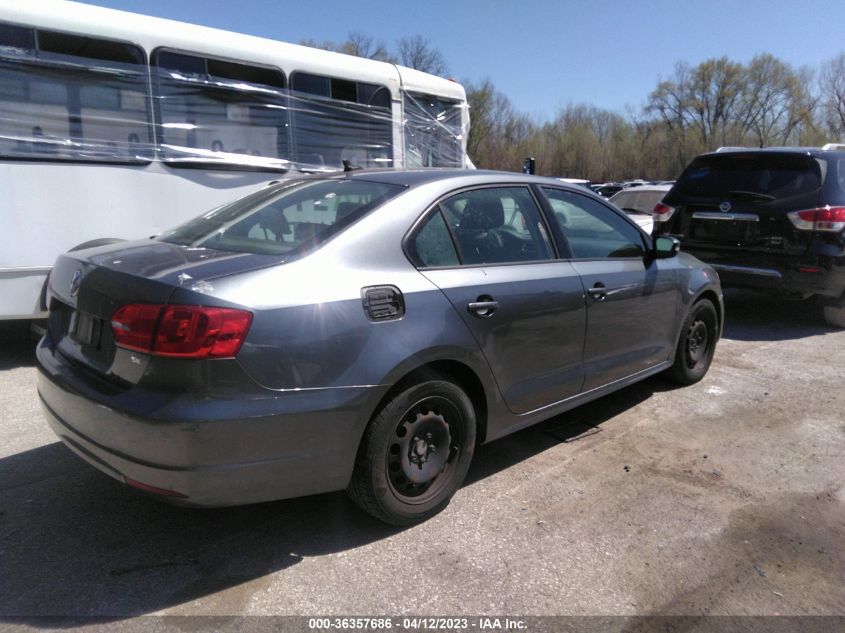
(768, 176)
(284, 219)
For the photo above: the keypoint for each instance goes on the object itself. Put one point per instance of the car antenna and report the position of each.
(347, 166)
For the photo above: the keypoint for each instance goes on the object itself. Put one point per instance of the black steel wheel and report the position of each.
(415, 453)
(696, 345)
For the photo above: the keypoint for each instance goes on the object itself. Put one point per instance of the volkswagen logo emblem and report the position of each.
(74, 283)
(725, 207)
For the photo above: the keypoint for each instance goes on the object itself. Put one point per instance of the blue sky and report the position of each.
(544, 54)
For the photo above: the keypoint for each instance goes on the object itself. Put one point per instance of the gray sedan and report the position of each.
(361, 331)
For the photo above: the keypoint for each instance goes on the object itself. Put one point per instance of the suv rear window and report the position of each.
(771, 175)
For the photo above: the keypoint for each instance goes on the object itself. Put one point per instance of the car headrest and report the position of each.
(273, 220)
(345, 208)
(483, 213)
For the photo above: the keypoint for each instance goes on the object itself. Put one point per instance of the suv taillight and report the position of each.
(662, 212)
(822, 219)
(180, 331)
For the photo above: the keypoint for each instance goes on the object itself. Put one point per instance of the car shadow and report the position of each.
(75, 543)
(571, 426)
(17, 345)
(756, 316)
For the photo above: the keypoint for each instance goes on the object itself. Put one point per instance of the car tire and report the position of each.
(415, 453)
(696, 344)
(834, 312)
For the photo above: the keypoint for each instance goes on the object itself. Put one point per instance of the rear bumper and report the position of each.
(822, 275)
(797, 279)
(307, 445)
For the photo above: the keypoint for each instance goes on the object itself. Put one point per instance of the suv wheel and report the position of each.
(834, 312)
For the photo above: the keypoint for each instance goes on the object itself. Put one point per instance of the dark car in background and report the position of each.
(770, 219)
(363, 331)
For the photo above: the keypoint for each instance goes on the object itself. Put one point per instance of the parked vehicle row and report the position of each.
(770, 219)
(361, 331)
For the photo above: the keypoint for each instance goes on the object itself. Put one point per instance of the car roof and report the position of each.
(838, 150)
(415, 177)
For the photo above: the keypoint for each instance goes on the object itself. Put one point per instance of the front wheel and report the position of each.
(415, 453)
(696, 345)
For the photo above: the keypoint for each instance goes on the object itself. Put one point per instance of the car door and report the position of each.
(489, 251)
(632, 299)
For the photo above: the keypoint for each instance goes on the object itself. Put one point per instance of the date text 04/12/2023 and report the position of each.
(417, 623)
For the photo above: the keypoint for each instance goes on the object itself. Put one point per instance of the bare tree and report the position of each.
(325, 45)
(832, 88)
(776, 100)
(363, 45)
(417, 52)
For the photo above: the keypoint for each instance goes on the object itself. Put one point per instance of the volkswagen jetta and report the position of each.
(361, 331)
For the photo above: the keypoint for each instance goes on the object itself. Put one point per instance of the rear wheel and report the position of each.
(834, 312)
(415, 453)
(696, 345)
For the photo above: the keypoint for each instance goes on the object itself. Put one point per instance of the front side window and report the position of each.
(219, 111)
(285, 219)
(592, 230)
(72, 97)
(338, 119)
(497, 225)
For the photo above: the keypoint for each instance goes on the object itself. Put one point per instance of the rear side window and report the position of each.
(497, 225)
(432, 246)
(771, 176)
(285, 219)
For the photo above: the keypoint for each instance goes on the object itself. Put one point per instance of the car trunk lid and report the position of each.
(86, 287)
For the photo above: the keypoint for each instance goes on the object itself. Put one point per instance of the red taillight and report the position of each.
(133, 325)
(662, 212)
(199, 332)
(821, 219)
(181, 331)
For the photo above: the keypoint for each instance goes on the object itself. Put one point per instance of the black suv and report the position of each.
(769, 218)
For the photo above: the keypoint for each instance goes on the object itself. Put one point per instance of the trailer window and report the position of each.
(219, 111)
(72, 97)
(433, 131)
(337, 119)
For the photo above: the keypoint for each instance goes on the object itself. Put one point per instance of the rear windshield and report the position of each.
(772, 176)
(285, 219)
(637, 200)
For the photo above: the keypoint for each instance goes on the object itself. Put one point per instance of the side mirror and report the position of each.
(665, 246)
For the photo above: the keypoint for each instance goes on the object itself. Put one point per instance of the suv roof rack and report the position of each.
(729, 148)
(834, 146)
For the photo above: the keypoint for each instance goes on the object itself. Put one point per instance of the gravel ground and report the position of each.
(727, 497)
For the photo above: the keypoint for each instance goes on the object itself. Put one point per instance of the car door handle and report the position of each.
(483, 308)
(598, 292)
